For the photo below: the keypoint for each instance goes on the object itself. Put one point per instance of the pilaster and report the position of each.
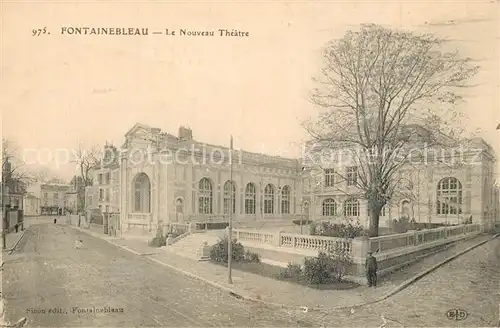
(124, 185)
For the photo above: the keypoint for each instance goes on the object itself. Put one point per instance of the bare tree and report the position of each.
(12, 166)
(86, 160)
(45, 175)
(377, 86)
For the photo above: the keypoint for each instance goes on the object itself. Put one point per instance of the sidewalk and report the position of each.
(136, 246)
(285, 294)
(13, 238)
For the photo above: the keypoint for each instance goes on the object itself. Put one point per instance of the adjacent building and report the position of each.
(53, 198)
(32, 200)
(12, 189)
(437, 184)
(104, 194)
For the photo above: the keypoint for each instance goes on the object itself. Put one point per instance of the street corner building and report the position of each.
(157, 178)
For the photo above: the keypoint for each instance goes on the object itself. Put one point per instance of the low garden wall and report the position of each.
(78, 220)
(392, 251)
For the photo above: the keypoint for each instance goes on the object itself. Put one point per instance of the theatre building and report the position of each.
(168, 178)
(158, 177)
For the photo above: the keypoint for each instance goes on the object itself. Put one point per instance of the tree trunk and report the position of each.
(374, 220)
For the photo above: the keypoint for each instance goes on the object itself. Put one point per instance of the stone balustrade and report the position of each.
(289, 240)
(139, 220)
(180, 228)
(412, 238)
(357, 247)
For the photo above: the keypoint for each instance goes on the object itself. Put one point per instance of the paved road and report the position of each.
(53, 284)
(471, 282)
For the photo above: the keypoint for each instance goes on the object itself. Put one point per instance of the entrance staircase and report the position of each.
(263, 224)
(190, 245)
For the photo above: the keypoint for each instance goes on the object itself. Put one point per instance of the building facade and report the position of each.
(104, 194)
(434, 185)
(54, 198)
(12, 189)
(32, 200)
(166, 178)
(159, 177)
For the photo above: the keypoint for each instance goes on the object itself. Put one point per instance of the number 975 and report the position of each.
(39, 31)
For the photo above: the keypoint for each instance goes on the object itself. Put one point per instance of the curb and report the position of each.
(91, 233)
(306, 309)
(13, 248)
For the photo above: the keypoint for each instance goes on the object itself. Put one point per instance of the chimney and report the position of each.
(7, 168)
(185, 133)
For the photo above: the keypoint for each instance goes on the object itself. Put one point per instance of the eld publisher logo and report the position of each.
(457, 314)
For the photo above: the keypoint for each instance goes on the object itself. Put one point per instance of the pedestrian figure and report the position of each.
(371, 270)
(78, 243)
(55, 220)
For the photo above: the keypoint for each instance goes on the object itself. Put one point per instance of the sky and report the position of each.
(63, 90)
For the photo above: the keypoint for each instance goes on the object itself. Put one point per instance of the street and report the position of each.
(53, 284)
(471, 282)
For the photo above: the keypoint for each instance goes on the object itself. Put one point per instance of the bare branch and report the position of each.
(371, 92)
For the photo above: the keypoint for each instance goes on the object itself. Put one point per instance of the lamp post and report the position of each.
(230, 225)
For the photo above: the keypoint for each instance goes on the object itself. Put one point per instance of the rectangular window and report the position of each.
(329, 177)
(285, 206)
(249, 206)
(352, 175)
(268, 206)
(137, 203)
(101, 194)
(108, 178)
(99, 178)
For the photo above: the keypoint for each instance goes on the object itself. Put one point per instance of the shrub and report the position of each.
(292, 271)
(304, 221)
(251, 257)
(219, 252)
(341, 259)
(159, 240)
(329, 266)
(318, 270)
(401, 225)
(347, 229)
(312, 229)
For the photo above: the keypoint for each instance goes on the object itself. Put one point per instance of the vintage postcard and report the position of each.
(250, 163)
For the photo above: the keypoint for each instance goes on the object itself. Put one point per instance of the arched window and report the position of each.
(285, 200)
(329, 207)
(269, 199)
(142, 192)
(351, 207)
(205, 196)
(229, 197)
(250, 196)
(449, 196)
